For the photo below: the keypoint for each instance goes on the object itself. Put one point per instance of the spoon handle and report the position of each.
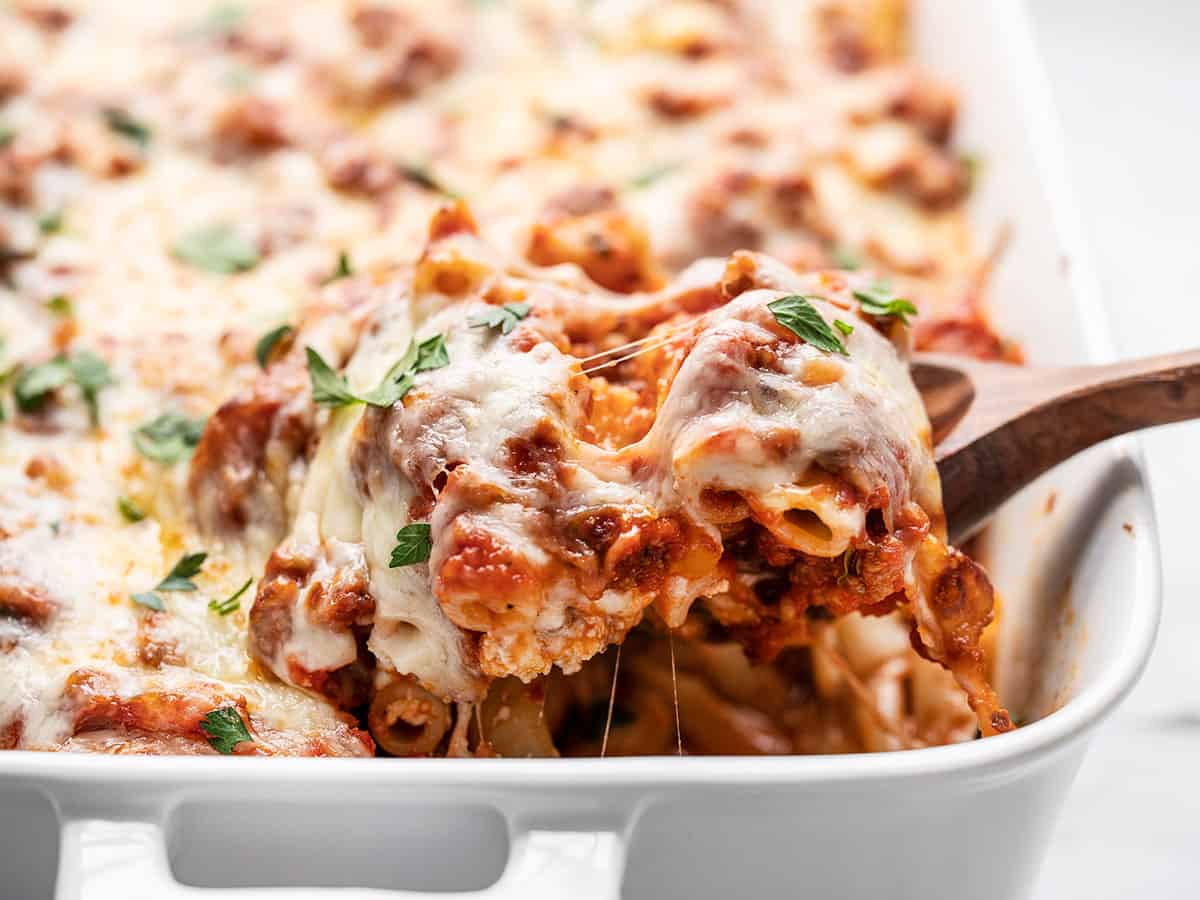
(1048, 417)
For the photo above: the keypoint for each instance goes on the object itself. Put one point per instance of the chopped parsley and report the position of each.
(503, 317)
(180, 576)
(224, 18)
(51, 222)
(846, 258)
(35, 383)
(178, 579)
(130, 510)
(232, 603)
(60, 305)
(431, 353)
(328, 387)
(797, 314)
(149, 599)
(225, 729)
(121, 122)
(216, 248)
(7, 133)
(844, 327)
(879, 300)
(422, 177)
(413, 545)
(343, 270)
(266, 344)
(331, 389)
(169, 437)
(647, 178)
(89, 372)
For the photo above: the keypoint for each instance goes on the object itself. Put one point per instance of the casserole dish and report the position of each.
(1081, 604)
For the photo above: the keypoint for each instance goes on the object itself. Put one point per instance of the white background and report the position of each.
(1126, 77)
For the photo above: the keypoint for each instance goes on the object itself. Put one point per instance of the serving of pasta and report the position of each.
(512, 378)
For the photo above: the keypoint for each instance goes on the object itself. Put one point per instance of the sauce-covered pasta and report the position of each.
(515, 378)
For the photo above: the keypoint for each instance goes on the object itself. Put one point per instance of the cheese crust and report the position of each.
(179, 180)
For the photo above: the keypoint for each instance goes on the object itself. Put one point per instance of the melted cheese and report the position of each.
(537, 97)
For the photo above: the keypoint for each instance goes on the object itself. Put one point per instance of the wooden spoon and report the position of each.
(997, 427)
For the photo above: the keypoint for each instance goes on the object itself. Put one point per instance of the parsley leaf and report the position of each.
(91, 373)
(503, 317)
(216, 248)
(396, 383)
(35, 383)
(169, 437)
(225, 729)
(431, 354)
(422, 177)
(413, 545)
(180, 576)
(266, 343)
(225, 18)
(846, 258)
(122, 123)
(332, 389)
(232, 603)
(647, 178)
(878, 300)
(797, 314)
(60, 305)
(844, 327)
(129, 509)
(148, 599)
(343, 270)
(51, 222)
(328, 387)
(178, 579)
(7, 133)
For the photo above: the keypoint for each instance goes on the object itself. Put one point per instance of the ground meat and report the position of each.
(353, 166)
(24, 601)
(97, 706)
(171, 721)
(404, 58)
(965, 336)
(672, 103)
(12, 80)
(155, 647)
(608, 245)
(718, 227)
(46, 16)
(242, 468)
(309, 584)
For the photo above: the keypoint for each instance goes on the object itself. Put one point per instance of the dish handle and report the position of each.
(101, 859)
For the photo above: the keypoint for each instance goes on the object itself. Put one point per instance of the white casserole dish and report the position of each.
(1080, 585)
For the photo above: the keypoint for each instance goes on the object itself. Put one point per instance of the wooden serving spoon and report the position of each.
(997, 427)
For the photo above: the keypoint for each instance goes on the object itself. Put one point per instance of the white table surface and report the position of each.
(1126, 78)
